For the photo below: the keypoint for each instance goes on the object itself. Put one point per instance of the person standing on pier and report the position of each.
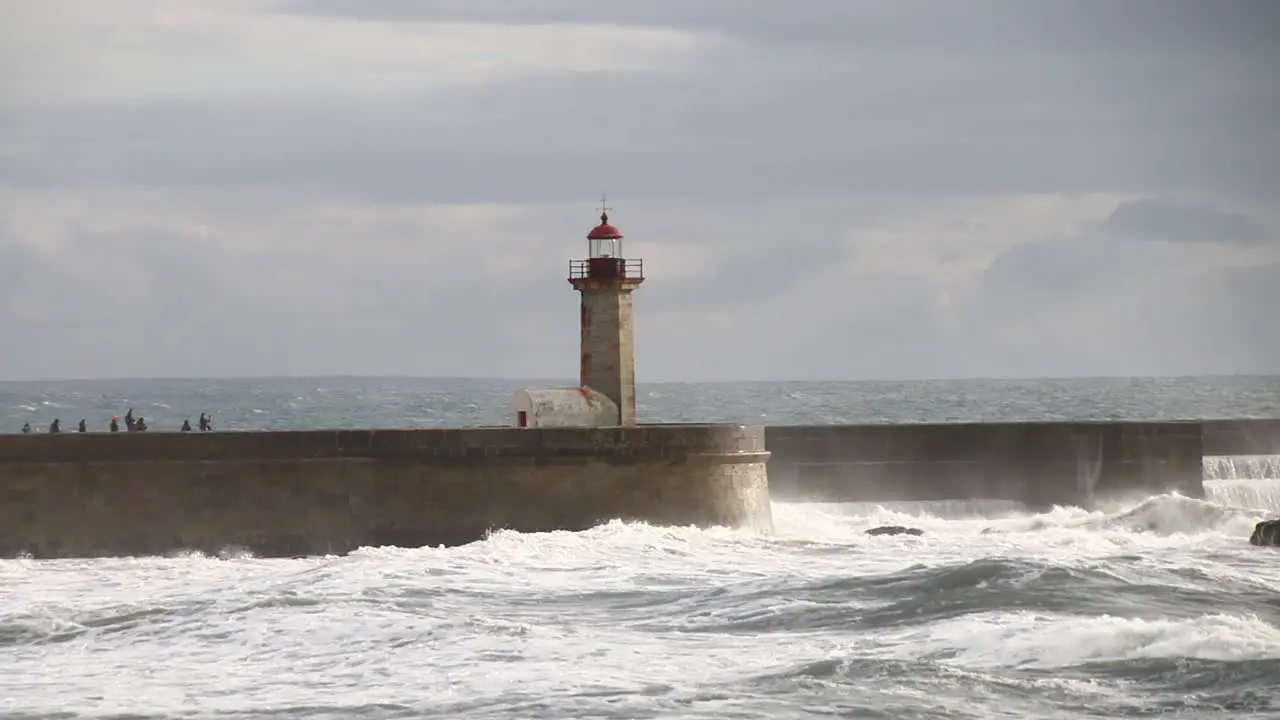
(26, 428)
(55, 426)
(115, 425)
(82, 427)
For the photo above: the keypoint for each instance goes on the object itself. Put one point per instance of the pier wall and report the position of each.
(319, 492)
(1241, 437)
(1041, 464)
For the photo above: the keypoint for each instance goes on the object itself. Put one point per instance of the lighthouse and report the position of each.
(605, 395)
(606, 280)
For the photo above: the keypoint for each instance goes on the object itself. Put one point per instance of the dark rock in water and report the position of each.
(894, 530)
(1266, 533)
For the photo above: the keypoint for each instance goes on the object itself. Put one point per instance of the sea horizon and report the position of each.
(639, 381)
(997, 610)
(337, 401)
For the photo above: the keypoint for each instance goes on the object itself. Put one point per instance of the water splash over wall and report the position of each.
(1088, 463)
(1244, 494)
(1242, 467)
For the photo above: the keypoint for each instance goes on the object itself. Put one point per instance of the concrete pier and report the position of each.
(1241, 437)
(575, 458)
(1040, 464)
(325, 491)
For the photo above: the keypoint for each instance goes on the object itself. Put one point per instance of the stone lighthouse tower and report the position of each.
(606, 279)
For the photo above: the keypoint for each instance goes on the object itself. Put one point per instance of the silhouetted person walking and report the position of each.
(186, 425)
(115, 426)
(129, 423)
(82, 427)
(26, 428)
(55, 426)
(206, 423)
(140, 424)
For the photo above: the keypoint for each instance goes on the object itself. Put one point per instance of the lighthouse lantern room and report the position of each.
(604, 240)
(605, 260)
(606, 281)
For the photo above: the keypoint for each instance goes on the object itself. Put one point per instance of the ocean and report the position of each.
(1157, 607)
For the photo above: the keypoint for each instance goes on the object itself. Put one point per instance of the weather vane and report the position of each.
(604, 207)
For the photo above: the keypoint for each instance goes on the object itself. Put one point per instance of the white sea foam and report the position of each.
(1033, 640)
(1242, 467)
(994, 612)
(661, 620)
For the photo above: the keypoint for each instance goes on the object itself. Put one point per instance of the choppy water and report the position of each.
(1150, 608)
(409, 402)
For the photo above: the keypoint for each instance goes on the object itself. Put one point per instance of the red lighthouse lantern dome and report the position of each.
(604, 231)
(604, 240)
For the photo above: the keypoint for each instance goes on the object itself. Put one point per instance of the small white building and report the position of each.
(563, 407)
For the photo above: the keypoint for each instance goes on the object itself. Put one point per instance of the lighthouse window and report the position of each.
(608, 248)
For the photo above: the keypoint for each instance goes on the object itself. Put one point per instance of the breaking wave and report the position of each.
(1154, 606)
(1242, 467)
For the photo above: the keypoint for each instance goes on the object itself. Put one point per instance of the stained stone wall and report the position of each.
(608, 362)
(314, 492)
(1242, 437)
(1041, 464)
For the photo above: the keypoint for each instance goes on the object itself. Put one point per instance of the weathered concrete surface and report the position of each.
(312, 492)
(1241, 437)
(608, 341)
(562, 407)
(1041, 464)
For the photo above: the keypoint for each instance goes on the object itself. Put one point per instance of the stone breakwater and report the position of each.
(1040, 464)
(1241, 437)
(326, 491)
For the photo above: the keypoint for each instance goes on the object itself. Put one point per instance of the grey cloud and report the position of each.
(202, 310)
(1132, 28)
(1057, 268)
(1235, 318)
(719, 135)
(842, 100)
(1163, 219)
(1061, 269)
(135, 302)
(1089, 305)
(1252, 295)
(755, 271)
(15, 269)
(879, 115)
(873, 327)
(90, 320)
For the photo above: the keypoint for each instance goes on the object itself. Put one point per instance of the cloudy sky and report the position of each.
(818, 189)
